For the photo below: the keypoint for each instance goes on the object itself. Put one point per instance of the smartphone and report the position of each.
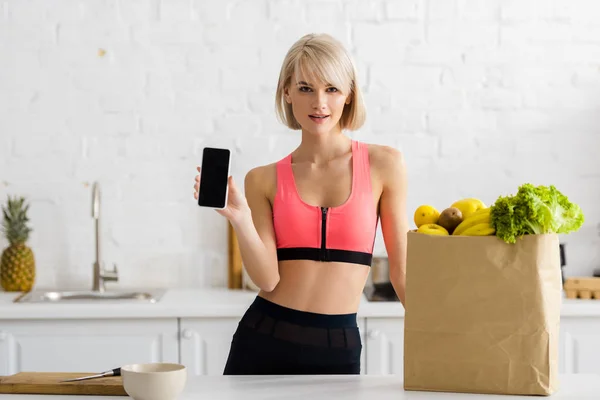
(214, 176)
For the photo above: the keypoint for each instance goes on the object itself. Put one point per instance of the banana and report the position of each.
(472, 220)
(482, 229)
(479, 212)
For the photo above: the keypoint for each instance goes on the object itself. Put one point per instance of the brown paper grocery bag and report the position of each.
(482, 315)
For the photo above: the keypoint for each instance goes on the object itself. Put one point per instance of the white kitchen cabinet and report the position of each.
(579, 345)
(91, 345)
(202, 344)
(205, 344)
(384, 346)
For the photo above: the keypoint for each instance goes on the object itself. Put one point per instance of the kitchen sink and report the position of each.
(42, 296)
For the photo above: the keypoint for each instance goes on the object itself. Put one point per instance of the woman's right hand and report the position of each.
(237, 205)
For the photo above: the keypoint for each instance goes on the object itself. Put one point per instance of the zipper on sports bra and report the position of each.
(324, 256)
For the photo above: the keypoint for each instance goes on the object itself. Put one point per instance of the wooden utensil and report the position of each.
(50, 383)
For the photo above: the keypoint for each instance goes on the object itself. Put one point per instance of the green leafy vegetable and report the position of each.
(534, 210)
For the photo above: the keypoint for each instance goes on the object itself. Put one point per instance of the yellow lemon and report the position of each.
(426, 214)
(433, 229)
(468, 206)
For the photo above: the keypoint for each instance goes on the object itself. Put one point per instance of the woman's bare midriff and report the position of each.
(319, 287)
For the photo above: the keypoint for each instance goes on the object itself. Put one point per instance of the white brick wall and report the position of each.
(480, 95)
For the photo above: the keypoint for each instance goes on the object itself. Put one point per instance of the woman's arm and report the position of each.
(394, 220)
(255, 233)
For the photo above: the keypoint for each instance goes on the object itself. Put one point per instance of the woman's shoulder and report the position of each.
(387, 164)
(383, 158)
(262, 173)
(263, 177)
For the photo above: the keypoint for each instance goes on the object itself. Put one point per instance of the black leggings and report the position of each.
(276, 340)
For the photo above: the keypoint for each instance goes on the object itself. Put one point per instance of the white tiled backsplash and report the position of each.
(479, 95)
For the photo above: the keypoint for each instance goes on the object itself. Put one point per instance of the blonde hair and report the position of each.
(323, 58)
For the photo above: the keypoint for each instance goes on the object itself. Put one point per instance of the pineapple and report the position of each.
(17, 265)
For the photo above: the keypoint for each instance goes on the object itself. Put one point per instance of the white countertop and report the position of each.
(327, 387)
(197, 303)
(175, 303)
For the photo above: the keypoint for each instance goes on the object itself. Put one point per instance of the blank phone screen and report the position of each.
(213, 178)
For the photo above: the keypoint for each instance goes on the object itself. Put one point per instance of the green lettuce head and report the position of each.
(534, 210)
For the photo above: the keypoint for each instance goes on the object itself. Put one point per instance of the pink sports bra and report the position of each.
(345, 233)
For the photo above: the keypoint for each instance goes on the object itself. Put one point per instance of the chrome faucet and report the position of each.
(100, 274)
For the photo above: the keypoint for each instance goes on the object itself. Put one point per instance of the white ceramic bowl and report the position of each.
(154, 381)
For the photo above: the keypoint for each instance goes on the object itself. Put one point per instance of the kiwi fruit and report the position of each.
(450, 218)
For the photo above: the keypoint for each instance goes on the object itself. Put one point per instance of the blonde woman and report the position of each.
(306, 225)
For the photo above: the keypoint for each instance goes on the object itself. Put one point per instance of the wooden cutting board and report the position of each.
(49, 383)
